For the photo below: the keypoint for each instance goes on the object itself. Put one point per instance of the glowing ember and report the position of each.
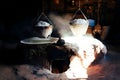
(76, 69)
(88, 47)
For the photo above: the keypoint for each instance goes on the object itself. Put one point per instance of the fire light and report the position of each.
(86, 51)
(85, 47)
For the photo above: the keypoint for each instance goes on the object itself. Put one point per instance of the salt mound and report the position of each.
(42, 24)
(79, 21)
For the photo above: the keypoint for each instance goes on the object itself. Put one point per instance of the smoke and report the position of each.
(61, 23)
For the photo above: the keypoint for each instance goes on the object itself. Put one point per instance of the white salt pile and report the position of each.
(79, 21)
(42, 24)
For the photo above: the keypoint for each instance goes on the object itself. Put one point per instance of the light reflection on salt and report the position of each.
(85, 55)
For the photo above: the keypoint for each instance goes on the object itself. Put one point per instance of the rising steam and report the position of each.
(62, 25)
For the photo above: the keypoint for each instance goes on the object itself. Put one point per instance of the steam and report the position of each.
(84, 45)
(61, 24)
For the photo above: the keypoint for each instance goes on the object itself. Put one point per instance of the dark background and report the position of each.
(17, 17)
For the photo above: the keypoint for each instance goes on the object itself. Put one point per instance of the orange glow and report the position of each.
(56, 1)
(76, 69)
(85, 55)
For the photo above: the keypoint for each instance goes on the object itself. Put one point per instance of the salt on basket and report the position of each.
(43, 27)
(79, 25)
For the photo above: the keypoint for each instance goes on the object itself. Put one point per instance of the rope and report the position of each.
(43, 14)
(80, 11)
